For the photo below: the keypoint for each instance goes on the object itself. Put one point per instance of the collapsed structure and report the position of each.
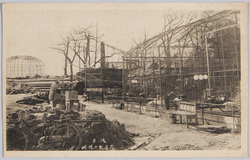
(168, 62)
(208, 48)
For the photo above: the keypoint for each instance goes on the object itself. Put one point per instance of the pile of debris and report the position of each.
(34, 99)
(17, 91)
(103, 133)
(213, 129)
(35, 127)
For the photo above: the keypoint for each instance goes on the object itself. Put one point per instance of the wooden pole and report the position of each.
(96, 39)
(180, 67)
(144, 55)
(236, 59)
(130, 66)
(154, 75)
(86, 60)
(202, 116)
(127, 72)
(160, 77)
(208, 67)
(235, 44)
(102, 66)
(223, 61)
(233, 117)
(123, 76)
(144, 81)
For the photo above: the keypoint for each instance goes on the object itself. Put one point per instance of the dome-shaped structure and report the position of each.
(23, 66)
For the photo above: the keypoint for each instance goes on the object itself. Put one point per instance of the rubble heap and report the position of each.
(213, 129)
(95, 131)
(109, 134)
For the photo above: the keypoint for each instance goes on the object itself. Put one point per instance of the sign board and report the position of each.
(134, 81)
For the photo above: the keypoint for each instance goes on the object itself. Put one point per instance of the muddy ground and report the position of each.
(152, 133)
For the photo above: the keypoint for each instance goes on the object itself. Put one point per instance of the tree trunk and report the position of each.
(65, 66)
(71, 72)
(167, 52)
(87, 50)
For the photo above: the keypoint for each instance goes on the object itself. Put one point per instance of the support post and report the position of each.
(127, 105)
(160, 77)
(208, 67)
(156, 109)
(130, 75)
(236, 59)
(202, 115)
(143, 74)
(187, 121)
(102, 66)
(123, 76)
(140, 106)
(180, 67)
(154, 76)
(96, 40)
(224, 65)
(86, 60)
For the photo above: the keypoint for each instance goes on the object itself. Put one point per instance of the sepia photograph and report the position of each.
(126, 79)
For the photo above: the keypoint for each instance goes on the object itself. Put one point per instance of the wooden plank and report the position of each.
(183, 113)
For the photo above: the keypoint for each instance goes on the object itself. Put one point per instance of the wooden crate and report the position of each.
(71, 95)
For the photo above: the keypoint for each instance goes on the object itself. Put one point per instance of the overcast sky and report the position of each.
(34, 29)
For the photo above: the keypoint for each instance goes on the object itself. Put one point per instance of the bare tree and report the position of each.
(84, 34)
(78, 44)
(77, 48)
(64, 49)
(172, 23)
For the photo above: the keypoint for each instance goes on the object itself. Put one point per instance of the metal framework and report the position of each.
(23, 66)
(159, 65)
(208, 46)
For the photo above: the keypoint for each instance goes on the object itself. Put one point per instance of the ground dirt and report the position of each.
(150, 133)
(159, 134)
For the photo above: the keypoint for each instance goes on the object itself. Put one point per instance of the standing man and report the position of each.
(52, 92)
(167, 102)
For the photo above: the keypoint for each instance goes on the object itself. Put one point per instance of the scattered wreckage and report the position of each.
(60, 130)
(41, 97)
(64, 128)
